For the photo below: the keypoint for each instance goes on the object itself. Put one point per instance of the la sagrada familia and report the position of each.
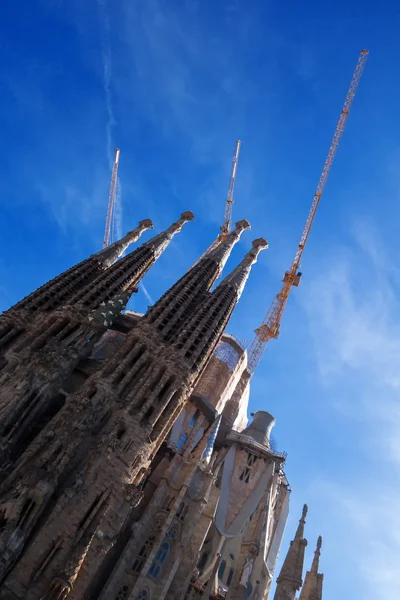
(128, 468)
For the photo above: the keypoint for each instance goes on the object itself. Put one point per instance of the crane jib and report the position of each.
(271, 324)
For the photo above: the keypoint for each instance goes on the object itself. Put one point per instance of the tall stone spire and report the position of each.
(110, 429)
(317, 554)
(240, 275)
(170, 312)
(129, 270)
(291, 576)
(109, 255)
(59, 290)
(312, 588)
(220, 253)
(214, 313)
(159, 242)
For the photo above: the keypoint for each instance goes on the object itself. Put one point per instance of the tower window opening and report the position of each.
(194, 418)
(167, 503)
(159, 560)
(123, 593)
(143, 554)
(203, 561)
(230, 576)
(121, 431)
(251, 459)
(245, 475)
(148, 414)
(182, 511)
(181, 441)
(26, 511)
(221, 569)
(3, 520)
(172, 533)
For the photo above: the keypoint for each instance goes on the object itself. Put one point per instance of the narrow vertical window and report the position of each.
(221, 569)
(159, 560)
(182, 440)
(229, 578)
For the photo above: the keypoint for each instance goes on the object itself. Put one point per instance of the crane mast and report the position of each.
(270, 327)
(111, 199)
(226, 226)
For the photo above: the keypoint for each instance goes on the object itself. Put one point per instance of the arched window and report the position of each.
(221, 569)
(182, 440)
(230, 575)
(142, 595)
(143, 554)
(159, 560)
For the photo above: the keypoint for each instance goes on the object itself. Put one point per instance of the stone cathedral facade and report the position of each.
(128, 469)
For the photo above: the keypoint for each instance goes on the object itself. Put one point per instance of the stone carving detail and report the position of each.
(133, 494)
(67, 452)
(246, 573)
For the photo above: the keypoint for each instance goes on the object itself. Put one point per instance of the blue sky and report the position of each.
(174, 84)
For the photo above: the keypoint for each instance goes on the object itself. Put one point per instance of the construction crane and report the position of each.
(111, 200)
(226, 227)
(271, 325)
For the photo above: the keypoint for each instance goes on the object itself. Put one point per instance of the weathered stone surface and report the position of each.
(94, 502)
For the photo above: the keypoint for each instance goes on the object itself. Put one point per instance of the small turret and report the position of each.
(260, 427)
(159, 242)
(312, 588)
(109, 255)
(290, 577)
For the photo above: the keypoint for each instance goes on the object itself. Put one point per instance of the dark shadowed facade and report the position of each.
(127, 468)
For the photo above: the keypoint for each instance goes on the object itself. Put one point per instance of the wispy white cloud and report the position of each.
(106, 59)
(146, 293)
(363, 529)
(117, 219)
(353, 308)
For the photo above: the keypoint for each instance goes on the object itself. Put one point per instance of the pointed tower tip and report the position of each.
(242, 225)
(187, 215)
(146, 224)
(315, 562)
(260, 243)
(177, 226)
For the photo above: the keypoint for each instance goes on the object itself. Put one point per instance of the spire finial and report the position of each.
(242, 225)
(300, 529)
(221, 249)
(317, 554)
(184, 218)
(146, 224)
(161, 241)
(109, 255)
(238, 276)
(292, 569)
